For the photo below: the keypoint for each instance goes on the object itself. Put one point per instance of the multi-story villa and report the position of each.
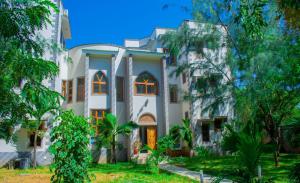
(131, 81)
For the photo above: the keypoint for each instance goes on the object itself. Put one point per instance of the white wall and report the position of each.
(99, 101)
(148, 104)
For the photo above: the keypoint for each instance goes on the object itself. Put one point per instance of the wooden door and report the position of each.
(151, 137)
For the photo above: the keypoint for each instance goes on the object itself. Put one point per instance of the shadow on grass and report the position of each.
(223, 166)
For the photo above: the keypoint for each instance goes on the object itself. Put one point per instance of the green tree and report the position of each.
(263, 59)
(70, 148)
(246, 142)
(183, 132)
(40, 102)
(109, 129)
(21, 51)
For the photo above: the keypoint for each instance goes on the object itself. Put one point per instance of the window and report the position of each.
(97, 114)
(70, 91)
(39, 138)
(31, 140)
(186, 115)
(146, 84)
(80, 89)
(120, 88)
(100, 83)
(171, 59)
(218, 124)
(173, 94)
(205, 132)
(183, 77)
(64, 88)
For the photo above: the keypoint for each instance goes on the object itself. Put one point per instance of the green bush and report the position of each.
(70, 140)
(295, 174)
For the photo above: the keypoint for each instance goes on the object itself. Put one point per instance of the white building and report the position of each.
(130, 81)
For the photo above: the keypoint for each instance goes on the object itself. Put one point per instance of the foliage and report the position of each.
(230, 139)
(109, 129)
(204, 154)
(294, 175)
(159, 154)
(261, 70)
(291, 129)
(21, 51)
(70, 140)
(40, 101)
(246, 142)
(222, 166)
(183, 132)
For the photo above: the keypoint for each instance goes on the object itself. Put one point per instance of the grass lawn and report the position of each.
(121, 172)
(221, 165)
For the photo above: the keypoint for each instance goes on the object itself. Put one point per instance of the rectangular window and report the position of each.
(39, 138)
(173, 94)
(97, 114)
(183, 77)
(64, 88)
(120, 88)
(205, 132)
(172, 60)
(186, 115)
(70, 91)
(218, 124)
(80, 89)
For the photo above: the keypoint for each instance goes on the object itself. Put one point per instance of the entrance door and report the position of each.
(151, 137)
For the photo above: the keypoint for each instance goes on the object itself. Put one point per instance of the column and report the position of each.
(129, 103)
(129, 88)
(86, 88)
(165, 95)
(113, 85)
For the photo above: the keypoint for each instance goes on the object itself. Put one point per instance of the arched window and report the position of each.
(146, 84)
(100, 83)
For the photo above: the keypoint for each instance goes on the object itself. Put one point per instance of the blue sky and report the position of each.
(111, 21)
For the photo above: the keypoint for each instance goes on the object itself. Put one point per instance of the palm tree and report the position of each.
(109, 129)
(40, 101)
(183, 132)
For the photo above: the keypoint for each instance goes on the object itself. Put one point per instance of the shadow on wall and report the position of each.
(23, 151)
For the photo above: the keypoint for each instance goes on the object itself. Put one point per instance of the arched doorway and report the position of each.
(148, 130)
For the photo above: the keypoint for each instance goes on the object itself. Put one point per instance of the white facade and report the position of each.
(128, 61)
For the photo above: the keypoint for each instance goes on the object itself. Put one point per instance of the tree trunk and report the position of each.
(113, 151)
(34, 148)
(277, 151)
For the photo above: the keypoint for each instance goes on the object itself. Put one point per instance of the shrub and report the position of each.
(294, 175)
(70, 140)
(159, 154)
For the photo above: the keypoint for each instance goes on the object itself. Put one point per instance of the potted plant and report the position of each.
(136, 147)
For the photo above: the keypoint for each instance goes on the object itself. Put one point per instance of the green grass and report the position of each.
(221, 165)
(136, 173)
(101, 173)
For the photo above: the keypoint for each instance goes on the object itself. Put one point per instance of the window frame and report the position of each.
(70, 91)
(39, 141)
(122, 79)
(206, 139)
(64, 88)
(146, 84)
(184, 78)
(100, 82)
(173, 86)
(96, 126)
(80, 98)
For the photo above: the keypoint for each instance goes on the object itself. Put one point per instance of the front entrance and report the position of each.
(148, 136)
(148, 131)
